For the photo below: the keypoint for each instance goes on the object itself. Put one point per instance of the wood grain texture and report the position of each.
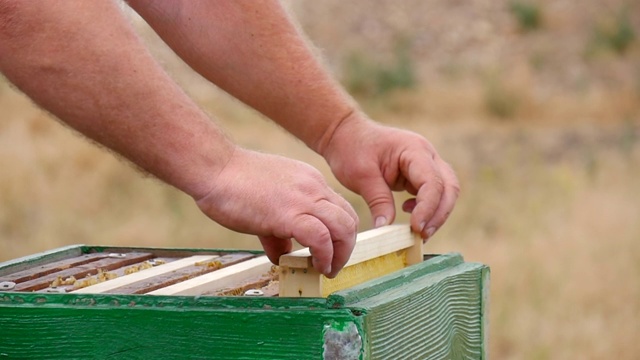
(182, 274)
(163, 252)
(299, 283)
(218, 279)
(168, 333)
(432, 264)
(435, 309)
(484, 310)
(437, 316)
(46, 269)
(296, 282)
(42, 258)
(364, 271)
(117, 301)
(83, 270)
(376, 253)
(369, 244)
(144, 275)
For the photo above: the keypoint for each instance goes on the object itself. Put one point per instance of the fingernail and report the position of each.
(380, 221)
(327, 270)
(422, 225)
(430, 231)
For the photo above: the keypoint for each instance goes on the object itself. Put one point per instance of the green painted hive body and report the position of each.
(431, 310)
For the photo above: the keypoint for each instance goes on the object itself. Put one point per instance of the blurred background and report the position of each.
(536, 104)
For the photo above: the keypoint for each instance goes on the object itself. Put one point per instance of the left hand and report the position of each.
(279, 199)
(373, 160)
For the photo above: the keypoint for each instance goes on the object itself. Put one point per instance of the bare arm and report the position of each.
(82, 61)
(253, 51)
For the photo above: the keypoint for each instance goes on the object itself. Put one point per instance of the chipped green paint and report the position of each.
(342, 341)
(430, 310)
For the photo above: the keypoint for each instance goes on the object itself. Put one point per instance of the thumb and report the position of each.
(377, 194)
(275, 247)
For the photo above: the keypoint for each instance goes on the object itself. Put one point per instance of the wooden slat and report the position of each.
(46, 257)
(186, 273)
(300, 282)
(376, 253)
(415, 253)
(253, 283)
(218, 279)
(143, 275)
(364, 271)
(46, 269)
(83, 270)
(159, 252)
(369, 244)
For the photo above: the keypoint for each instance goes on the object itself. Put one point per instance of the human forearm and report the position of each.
(83, 62)
(252, 50)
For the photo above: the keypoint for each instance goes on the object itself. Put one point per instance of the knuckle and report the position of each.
(352, 227)
(356, 224)
(311, 173)
(425, 210)
(377, 195)
(441, 219)
(310, 186)
(455, 186)
(438, 184)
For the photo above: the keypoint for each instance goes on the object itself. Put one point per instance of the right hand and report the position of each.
(373, 160)
(278, 199)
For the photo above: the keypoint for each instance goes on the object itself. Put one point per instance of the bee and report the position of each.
(59, 281)
(210, 264)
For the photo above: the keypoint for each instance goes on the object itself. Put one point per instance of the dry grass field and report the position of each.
(535, 104)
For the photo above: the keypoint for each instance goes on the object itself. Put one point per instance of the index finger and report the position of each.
(309, 231)
(424, 175)
(447, 201)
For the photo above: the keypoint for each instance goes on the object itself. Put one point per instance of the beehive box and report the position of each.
(95, 302)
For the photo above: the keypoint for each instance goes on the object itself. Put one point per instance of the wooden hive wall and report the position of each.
(432, 310)
(442, 320)
(34, 327)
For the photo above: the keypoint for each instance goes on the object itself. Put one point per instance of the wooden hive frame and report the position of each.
(377, 252)
(433, 309)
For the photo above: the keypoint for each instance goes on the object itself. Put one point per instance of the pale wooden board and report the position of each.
(81, 271)
(300, 282)
(295, 282)
(415, 253)
(183, 274)
(364, 271)
(144, 274)
(46, 269)
(218, 279)
(298, 278)
(369, 244)
(30, 261)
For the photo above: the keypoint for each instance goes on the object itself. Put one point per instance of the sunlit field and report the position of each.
(539, 118)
